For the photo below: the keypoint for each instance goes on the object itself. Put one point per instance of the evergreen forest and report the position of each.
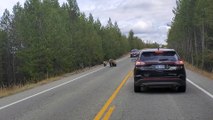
(191, 32)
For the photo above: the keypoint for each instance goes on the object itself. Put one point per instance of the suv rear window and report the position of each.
(162, 56)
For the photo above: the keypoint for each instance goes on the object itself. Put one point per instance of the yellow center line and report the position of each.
(109, 113)
(112, 97)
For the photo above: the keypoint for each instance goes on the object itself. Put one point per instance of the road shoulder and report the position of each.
(202, 81)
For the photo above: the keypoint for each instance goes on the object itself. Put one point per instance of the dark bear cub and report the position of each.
(105, 63)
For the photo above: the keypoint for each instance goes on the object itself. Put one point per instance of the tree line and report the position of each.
(44, 39)
(191, 32)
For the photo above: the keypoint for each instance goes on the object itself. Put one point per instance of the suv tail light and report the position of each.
(179, 62)
(139, 63)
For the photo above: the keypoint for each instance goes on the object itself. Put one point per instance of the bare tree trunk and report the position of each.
(13, 68)
(203, 43)
(196, 47)
(8, 66)
(191, 52)
(187, 46)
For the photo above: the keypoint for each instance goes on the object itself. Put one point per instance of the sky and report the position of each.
(148, 19)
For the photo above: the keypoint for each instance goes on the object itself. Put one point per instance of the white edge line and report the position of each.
(44, 91)
(200, 88)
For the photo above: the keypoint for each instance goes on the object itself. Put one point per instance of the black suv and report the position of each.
(159, 68)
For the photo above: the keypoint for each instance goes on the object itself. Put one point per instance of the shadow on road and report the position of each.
(160, 91)
(133, 59)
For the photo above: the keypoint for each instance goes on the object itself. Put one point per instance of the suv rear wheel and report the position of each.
(182, 88)
(137, 88)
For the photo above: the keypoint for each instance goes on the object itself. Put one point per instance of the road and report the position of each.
(107, 93)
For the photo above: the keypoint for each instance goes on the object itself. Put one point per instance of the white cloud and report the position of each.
(141, 25)
(147, 18)
(137, 26)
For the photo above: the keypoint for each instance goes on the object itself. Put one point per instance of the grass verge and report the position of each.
(19, 88)
(199, 71)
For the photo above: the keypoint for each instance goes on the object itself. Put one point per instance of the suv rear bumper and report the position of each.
(160, 82)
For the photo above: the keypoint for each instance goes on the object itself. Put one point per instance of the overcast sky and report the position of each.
(147, 18)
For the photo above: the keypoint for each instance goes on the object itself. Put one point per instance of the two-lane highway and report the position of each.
(108, 91)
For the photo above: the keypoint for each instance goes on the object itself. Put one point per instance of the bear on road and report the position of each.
(112, 63)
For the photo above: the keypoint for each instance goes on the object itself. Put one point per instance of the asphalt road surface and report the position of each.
(107, 93)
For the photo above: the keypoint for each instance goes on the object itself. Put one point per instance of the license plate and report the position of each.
(160, 66)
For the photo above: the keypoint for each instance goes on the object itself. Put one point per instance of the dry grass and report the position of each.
(197, 70)
(19, 88)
